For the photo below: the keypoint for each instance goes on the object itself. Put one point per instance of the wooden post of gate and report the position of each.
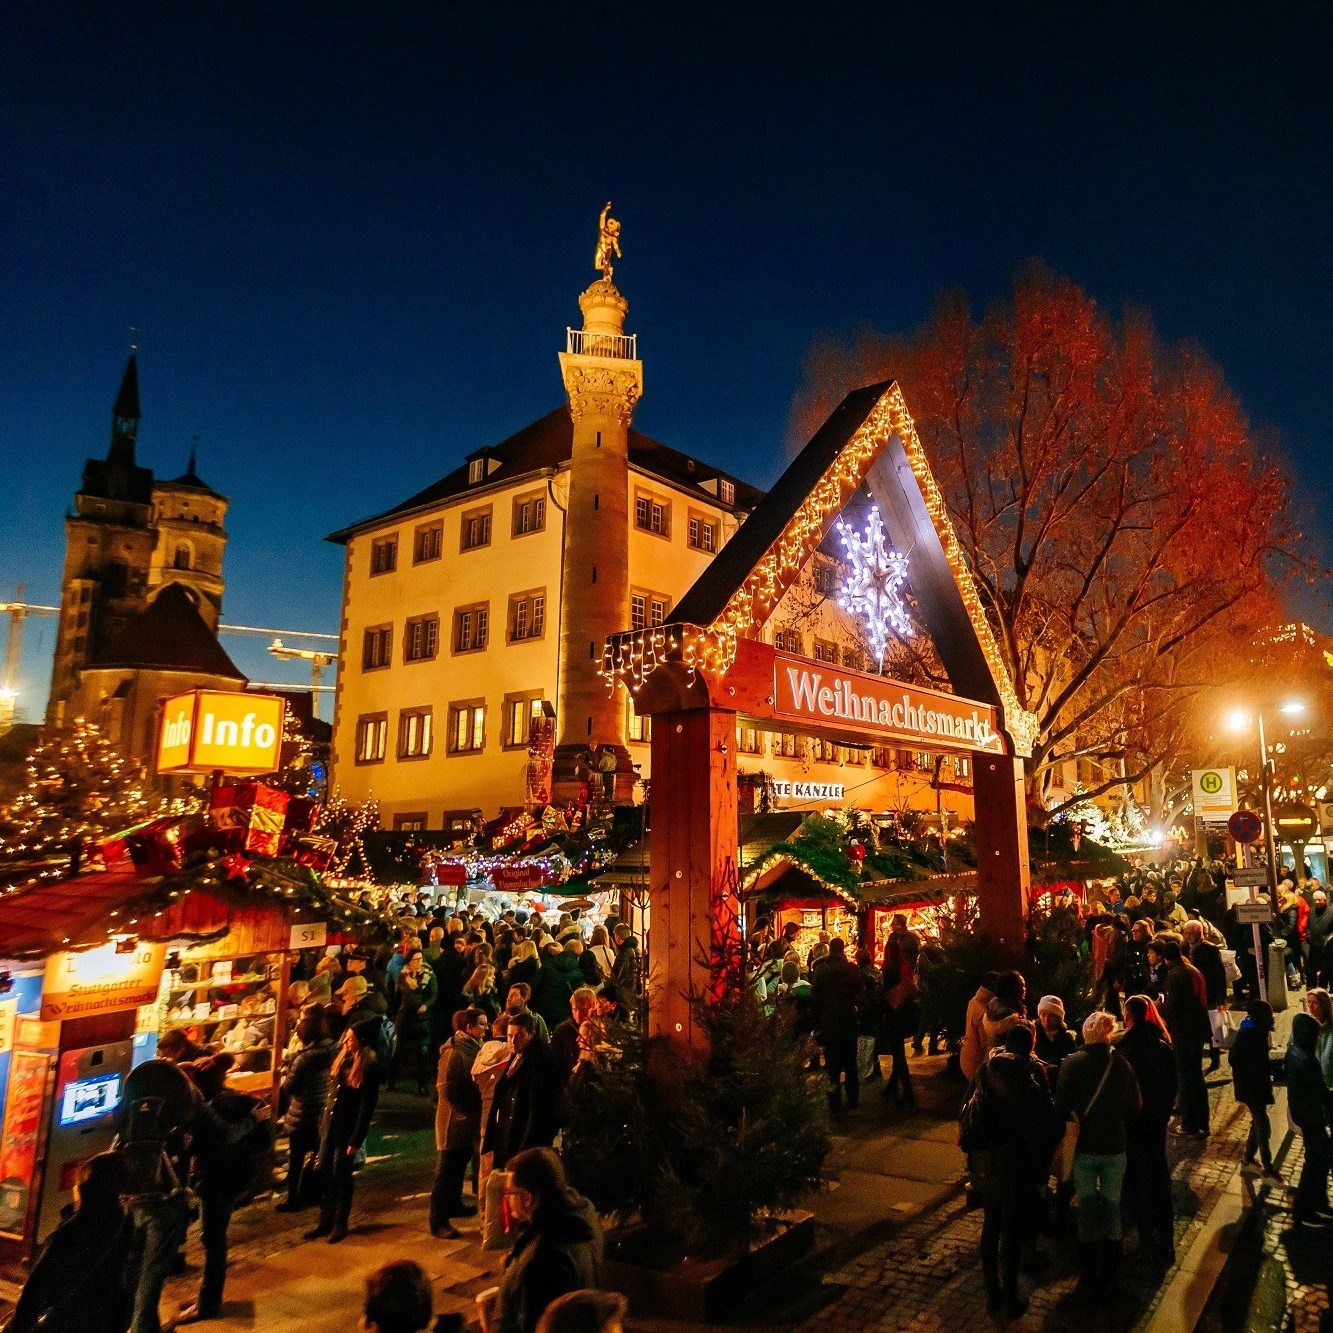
(1004, 875)
(692, 867)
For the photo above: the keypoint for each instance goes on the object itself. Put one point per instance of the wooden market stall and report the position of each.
(94, 969)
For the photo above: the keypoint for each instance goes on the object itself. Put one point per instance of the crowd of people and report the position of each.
(494, 1019)
(497, 1019)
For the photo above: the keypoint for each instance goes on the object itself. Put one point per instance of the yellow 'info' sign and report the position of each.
(209, 730)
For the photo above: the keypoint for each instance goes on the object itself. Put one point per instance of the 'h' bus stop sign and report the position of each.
(1245, 826)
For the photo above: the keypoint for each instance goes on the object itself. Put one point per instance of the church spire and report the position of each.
(125, 416)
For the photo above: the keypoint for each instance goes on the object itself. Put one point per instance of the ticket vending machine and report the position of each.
(89, 1086)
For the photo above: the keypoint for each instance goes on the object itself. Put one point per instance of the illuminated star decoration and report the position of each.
(873, 586)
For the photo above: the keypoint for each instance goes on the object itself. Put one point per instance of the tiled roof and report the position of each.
(169, 635)
(546, 443)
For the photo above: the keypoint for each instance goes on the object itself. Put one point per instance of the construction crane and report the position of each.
(318, 660)
(18, 610)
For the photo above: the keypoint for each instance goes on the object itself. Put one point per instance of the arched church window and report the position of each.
(182, 559)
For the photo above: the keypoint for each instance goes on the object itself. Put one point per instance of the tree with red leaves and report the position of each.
(1129, 534)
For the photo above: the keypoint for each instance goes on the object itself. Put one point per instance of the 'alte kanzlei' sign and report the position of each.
(822, 693)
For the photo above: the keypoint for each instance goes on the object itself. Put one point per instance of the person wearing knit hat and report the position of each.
(1054, 1039)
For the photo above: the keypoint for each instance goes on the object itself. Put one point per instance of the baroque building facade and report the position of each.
(484, 601)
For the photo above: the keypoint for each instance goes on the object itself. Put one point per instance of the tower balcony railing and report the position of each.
(614, 346)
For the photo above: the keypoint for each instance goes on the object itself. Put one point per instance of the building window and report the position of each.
(784, 745)
(962, 767)
(529, 514)
(527, 616)
(414, 729)
(429, 543)
(652, 515)
(476, 471)
(925, 761)
(726, 491)
(472, 625)
(421, 638)
(881, 756)
(384, 555)
(476, 530)
(640, 727)
(377, 647)
(467, 727)
(826, 752)
(787, 641)
(826, 578)
(411, 823)
(747, 740)
(703, 534)
(372, 730)
(646, 610)
(181, 559)
(826, 652)
(520, 710)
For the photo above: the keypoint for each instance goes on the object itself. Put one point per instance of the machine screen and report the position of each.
(89, 1098)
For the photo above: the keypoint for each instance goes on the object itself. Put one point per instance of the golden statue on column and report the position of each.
(608, 242)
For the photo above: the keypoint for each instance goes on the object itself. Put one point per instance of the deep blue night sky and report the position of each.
(353, 235)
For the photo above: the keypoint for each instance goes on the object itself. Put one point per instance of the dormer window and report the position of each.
(476, 471)
(726, 491)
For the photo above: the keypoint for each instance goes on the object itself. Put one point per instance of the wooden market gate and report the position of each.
(706, 669)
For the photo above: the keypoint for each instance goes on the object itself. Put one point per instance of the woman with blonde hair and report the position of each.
(480, 990)
(599, 945)
(524, 965)
(354, 1079)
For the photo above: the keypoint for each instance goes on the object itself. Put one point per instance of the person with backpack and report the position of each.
(160, 1107)
(82, 1279)
(231, 1144)
(354, 1091)
(1008, 1126)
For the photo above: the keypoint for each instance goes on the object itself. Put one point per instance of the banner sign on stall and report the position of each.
(9, 1013)
(308, 935)
(101, 980)
(18, 1141)
(1214, 794)
(512, 879)
(207, 731)
(822, 693)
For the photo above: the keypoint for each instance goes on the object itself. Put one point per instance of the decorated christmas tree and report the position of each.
(79, 786)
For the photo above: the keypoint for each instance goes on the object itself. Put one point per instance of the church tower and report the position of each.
(128, 538)
(109, 541)
(603, 379)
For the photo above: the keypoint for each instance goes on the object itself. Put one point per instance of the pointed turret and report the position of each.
(125, 417)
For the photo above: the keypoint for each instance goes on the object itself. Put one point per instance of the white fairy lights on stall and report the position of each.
(873, 585)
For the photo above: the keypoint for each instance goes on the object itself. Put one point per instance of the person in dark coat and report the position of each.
(306, 1087)
(525, 1110)
(1100, 1088)
(629, 965)
(82, 1279)
(1318, 932)
(1252, 1079)
(1207, 957)
(1015, 1127)
(1185, 1009)
(524, 966)
(1055, 1042)
(1307, 1104)
(584, 1007)
(1147, 1046)
(559, 978)
(457, 1120)
(558, 1248)
(354, 1090)
(872, 1012)
(835, 1008)
(223, 1170)
(418, 991)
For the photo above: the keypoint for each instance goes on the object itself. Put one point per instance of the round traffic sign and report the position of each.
(1245, 826)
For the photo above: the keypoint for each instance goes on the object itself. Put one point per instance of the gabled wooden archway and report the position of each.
(695, 674)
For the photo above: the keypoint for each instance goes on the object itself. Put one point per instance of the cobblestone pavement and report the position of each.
(927, 1276)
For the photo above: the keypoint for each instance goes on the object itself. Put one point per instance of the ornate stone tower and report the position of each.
(191, 540)
(604, 380)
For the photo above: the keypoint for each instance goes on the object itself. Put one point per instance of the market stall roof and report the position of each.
(87, 910)
(758, 833)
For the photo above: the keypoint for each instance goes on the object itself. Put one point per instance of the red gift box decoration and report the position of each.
(315, 852)
(301, 815)
(159, 847)
(249, 816)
